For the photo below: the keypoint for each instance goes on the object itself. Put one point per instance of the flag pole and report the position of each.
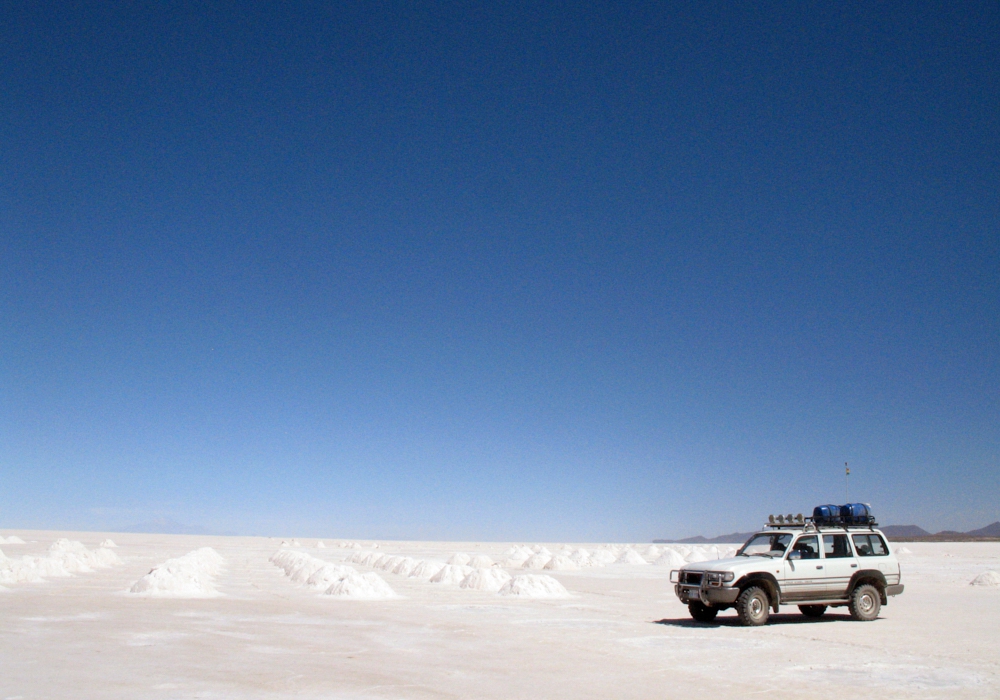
(847, 483)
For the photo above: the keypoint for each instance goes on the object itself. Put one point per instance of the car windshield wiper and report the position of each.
(762, 554)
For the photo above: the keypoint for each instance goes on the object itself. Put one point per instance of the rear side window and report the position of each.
(870, 545)
(836, 546)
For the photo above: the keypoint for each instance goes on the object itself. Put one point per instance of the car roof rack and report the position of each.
(809, 523)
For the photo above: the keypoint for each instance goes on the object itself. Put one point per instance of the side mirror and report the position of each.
(795, 554)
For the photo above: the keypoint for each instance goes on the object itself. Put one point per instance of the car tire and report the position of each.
(865, 603)
(812, 610)
(753, 607)
(702, 612)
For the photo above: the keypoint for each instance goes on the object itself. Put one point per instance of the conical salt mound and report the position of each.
(630, 556)
(670, 558)
(990, 579)
(534, 586)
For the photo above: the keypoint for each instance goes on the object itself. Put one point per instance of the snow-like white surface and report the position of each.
(621, 633)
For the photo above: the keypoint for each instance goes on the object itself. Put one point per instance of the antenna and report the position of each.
(847, 483)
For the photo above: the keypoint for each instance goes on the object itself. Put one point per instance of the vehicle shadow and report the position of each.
(734, 621)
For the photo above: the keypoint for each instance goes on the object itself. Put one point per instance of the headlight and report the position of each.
(717, 578)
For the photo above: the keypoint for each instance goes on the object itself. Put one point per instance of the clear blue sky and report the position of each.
(498, 270)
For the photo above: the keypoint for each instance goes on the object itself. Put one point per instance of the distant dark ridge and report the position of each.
(992, 530)
(900, 533)
(905, 531)
(732, 538)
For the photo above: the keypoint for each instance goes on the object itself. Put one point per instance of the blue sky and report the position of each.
(457, 271)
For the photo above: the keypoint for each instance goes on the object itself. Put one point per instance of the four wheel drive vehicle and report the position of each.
(795, 563)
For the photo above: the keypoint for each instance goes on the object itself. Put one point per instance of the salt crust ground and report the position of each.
(621, 635)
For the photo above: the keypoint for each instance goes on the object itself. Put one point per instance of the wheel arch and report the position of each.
(870, 576)
(766, 581)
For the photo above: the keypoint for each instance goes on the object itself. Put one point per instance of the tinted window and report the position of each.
(870, 546)
(808, 546)
(836, 546)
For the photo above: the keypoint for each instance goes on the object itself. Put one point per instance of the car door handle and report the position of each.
(819, 567)
(854, 566)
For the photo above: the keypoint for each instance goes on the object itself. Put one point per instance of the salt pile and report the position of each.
(989, 579)
(426, 569)
(361, 587)
(405, 567)
(602, 557)
(630, 556)
(320, 545)
(451, 574)
(64, 558)
(480, 561)
(109, 544)
(189, 576)
(518, 552)
(696, 555)
(581, 557)
(533, 586)
(536, 561)
(459, 559)
(561, 563)
(333, 579)
(13, 539)
(540, 549)
(490, 579)
(325, 576)
(388, 563)
(670, 558)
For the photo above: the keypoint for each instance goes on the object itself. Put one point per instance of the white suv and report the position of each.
(814, 567)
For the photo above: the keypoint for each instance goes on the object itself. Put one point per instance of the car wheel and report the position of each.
(812, 610)
(752, 606)
(702, 612)
(865, 603)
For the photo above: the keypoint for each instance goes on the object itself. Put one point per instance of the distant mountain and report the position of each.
(988, 531)
(905, 531)
(166, 526)
(732, 538)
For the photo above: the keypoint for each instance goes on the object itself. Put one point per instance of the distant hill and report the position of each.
(905, 531)
(732, 538)
(988, 531)
(896, 532)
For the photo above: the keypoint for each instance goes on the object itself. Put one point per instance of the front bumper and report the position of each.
(712, 595)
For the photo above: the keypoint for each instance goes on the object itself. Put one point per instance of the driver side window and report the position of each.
(808, 547)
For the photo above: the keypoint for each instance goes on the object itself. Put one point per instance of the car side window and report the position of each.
(870, 545)
(836, 546)
(807, 546)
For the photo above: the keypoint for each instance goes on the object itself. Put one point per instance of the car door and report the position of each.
(804, 573)
(839, 564)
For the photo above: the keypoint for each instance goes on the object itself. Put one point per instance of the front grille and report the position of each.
(692, 577)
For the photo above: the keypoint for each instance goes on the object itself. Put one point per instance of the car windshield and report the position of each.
(766, 544)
